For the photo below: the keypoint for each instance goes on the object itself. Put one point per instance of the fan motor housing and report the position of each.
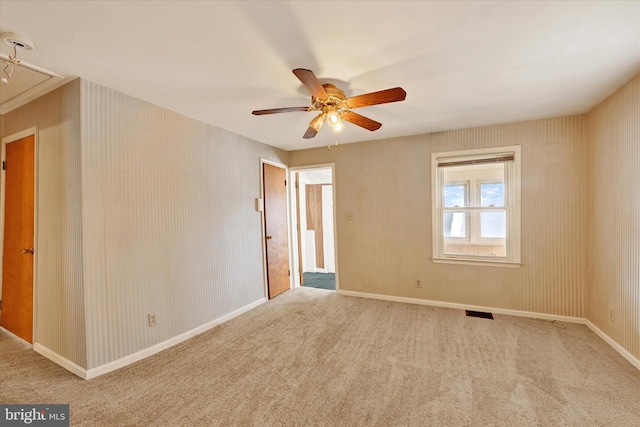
(335, 98)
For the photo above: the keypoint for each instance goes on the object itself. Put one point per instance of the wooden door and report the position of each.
(17, 261)
(275, 224)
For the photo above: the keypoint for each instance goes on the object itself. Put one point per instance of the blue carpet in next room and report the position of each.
(320, 280)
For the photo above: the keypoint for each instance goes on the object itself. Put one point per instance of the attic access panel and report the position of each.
(26, 83)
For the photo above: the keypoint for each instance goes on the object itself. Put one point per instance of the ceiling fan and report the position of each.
(334, 106)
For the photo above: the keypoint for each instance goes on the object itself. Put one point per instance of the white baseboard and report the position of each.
(617, 347)
(127, 360)
(59, 360)
(49, 354)
(530, 314)
(544, 316)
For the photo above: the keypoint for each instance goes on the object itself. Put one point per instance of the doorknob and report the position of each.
(27, 251)
(268, 237)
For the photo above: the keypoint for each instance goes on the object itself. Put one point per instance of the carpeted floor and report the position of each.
(312, 357)
(320, 280)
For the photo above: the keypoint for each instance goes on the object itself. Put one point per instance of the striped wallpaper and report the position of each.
(613, 279)
(580, 221)
(142, 210)
(169, 222)
(59, 300)
(386, 184)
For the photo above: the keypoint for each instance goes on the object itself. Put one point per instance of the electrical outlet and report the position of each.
(152, 319)
(418, 284)
(612, 315)
(349, 216)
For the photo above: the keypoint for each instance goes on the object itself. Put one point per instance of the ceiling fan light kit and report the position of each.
(337, 127)
(317, 122)
(334, 117)
(334, 106)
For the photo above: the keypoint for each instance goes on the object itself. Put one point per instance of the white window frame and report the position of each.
(512, 203)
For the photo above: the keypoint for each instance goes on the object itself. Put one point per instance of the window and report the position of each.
(476, 206)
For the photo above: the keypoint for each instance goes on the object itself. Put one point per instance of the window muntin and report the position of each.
(476, 205)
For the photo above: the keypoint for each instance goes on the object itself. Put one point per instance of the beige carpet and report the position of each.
(314, 358)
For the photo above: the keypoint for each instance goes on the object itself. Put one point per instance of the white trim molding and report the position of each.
(530, 314)
(88, 374)
(59, 360)
(294, 225)
(493, 164)
(120, 363)
(150, 351)
(617, 347)
(506, 311)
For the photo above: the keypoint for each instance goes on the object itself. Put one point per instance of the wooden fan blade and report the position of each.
(310, 133)
(361, 121)
(311, 82)
(380, 97)
(280, 110)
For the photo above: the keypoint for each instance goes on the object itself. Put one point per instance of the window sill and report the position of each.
(477, 262)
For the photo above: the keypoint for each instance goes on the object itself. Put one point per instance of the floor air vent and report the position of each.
(481, 314)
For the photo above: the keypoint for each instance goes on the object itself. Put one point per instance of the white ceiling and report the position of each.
(462, 64)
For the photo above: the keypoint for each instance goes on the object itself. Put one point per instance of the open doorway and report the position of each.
(313, 226)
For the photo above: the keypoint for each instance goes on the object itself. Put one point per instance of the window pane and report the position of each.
(476, 205)
(455, 224)
(492, 194)
(454, 195)
(492, 225)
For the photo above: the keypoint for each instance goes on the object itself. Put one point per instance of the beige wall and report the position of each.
(59, 303)
(140, 210)
(613, 182)
(169, 222)
(386, 184)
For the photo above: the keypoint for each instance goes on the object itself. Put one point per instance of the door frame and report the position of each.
(8, 140)
(260, 208)
(293, 231)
